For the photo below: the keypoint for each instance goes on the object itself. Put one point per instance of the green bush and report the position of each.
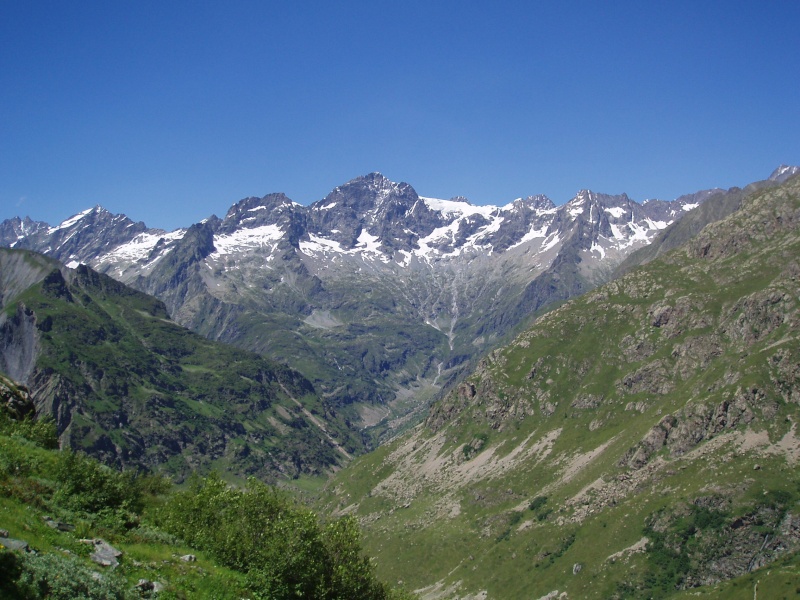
(41, 432)
(283, 549)
(83, 484)
(56, 577)
(15, 459)
(537, 503)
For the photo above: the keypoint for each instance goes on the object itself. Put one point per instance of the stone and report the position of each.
(58, 525)
(104, 553)
(145, 585)
(12, 544)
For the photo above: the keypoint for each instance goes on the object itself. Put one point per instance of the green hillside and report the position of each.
(72, 528)
(638, 442)
(130, 387)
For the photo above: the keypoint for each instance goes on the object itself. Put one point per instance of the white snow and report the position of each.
(618, 235)
(73, 264)
(552, 243)
(464, 209)
(255, 208)
(242, 239)
(616, 211)
(574, 212)
(407, 256)
(368, 242)
(531, 235)
(656, 224)
(688, 207)
(599, 249)
(140, 247)
(71, 221)
(319, 244)
(639, 234)
(368, 245)
(492, 227)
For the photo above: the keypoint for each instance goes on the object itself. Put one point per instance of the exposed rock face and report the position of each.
(15, 400)
(694, 424)
(19, 343)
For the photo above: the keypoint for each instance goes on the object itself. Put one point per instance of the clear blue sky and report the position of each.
(170, 111)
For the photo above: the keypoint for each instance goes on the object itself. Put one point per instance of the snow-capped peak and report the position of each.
(73, 220)
(783, 172)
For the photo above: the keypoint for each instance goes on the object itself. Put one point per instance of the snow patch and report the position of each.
(531, 235)
(368, 242)
(71, 221)
(246, 239)
(463, 209)
(320, 244)
(139, 247)
(552, 243)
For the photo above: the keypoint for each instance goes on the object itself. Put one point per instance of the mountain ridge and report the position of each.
(379, 295)
(136, 390)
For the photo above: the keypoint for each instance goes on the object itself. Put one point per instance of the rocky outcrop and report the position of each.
(19, 342)
(682, 431)
(15, 400)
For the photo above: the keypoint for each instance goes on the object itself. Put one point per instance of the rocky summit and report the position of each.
(379, 296)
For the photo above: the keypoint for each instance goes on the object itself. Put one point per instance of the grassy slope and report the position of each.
(712, 324)
(151, 393)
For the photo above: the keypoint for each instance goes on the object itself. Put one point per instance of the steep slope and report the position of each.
(134, 389)
(380, 296)
(716, 205)
(638, 441)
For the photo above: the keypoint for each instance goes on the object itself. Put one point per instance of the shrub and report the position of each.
(55, 577)
(41, 432)
(282, 547)
(84, 484)
(537, 503)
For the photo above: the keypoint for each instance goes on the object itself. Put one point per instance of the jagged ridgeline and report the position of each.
(134, 389)
(638, 441)
(381, 297)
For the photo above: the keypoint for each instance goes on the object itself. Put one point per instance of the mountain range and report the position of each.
(382, 298)
(597, 400)
(639, 441)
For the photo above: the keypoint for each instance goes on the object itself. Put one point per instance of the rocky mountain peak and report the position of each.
(256, 212)
(540, 202)
(16, 229)
(783, 172)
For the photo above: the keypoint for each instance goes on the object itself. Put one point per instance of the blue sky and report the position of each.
(172, 111)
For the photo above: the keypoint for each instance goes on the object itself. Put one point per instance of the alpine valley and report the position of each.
(379, 296)
(593, 400)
